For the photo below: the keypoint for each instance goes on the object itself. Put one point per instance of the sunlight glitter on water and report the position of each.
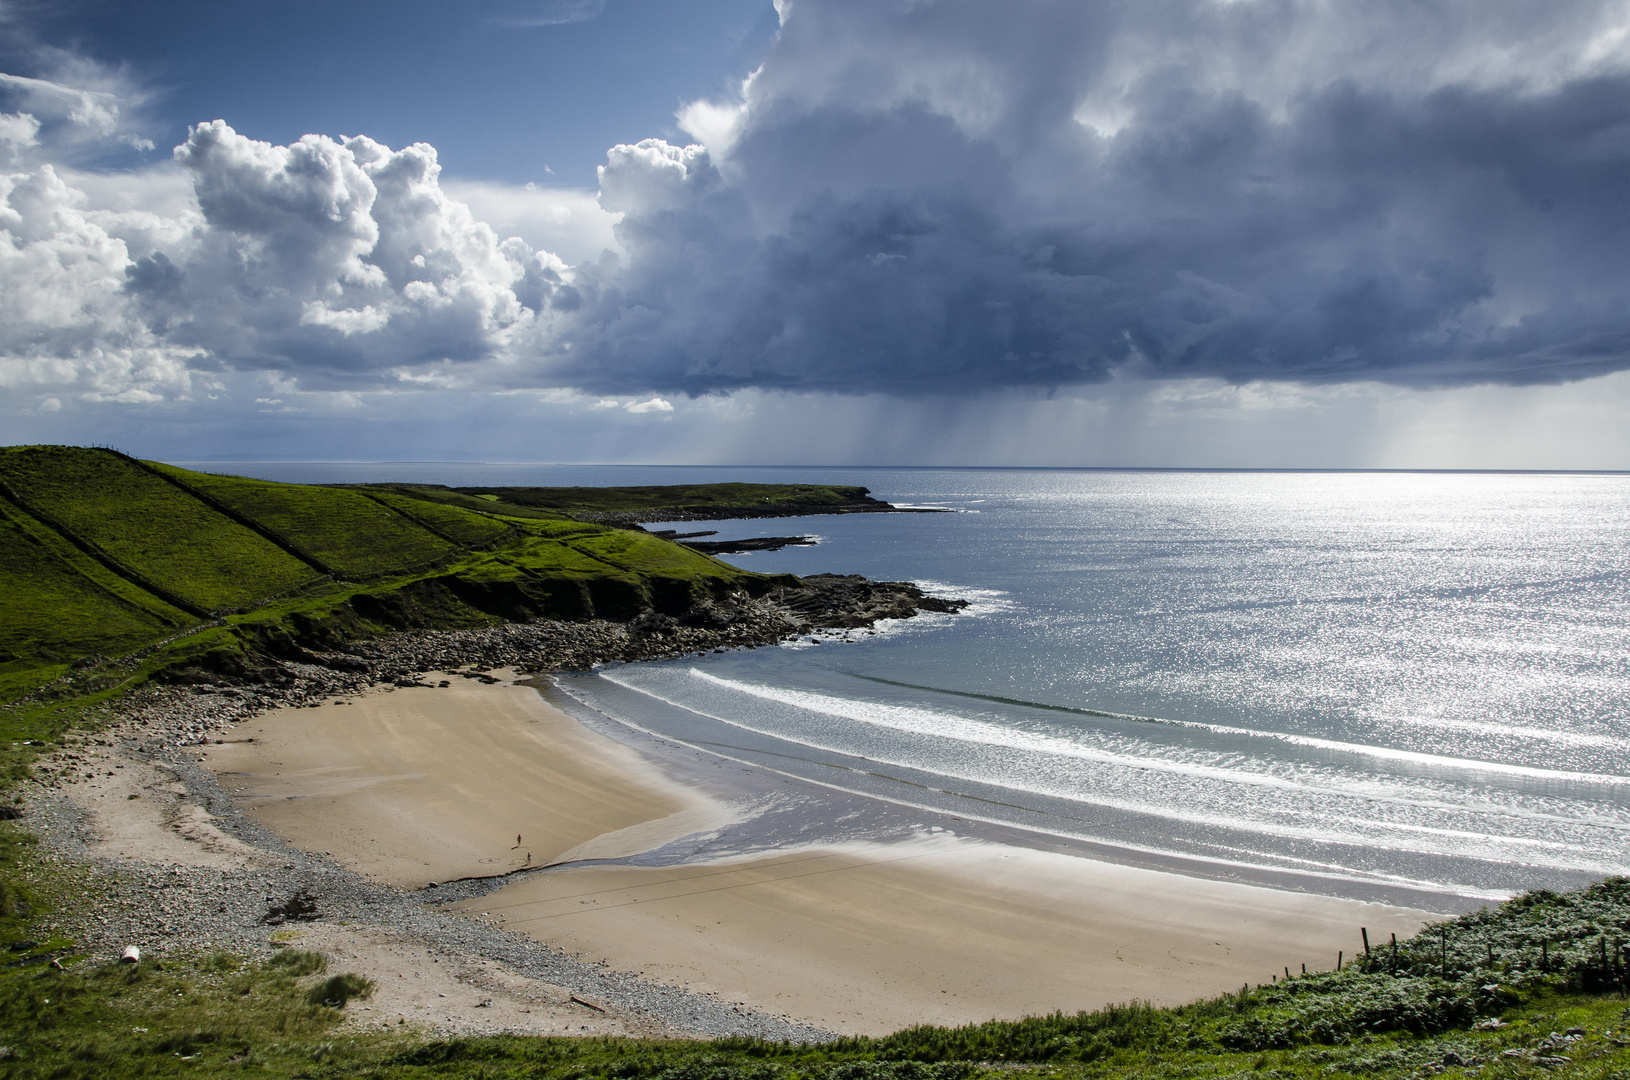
(1388, 676)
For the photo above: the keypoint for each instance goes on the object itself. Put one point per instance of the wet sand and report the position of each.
(415, 785)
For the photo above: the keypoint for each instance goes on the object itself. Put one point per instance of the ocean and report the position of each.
(1368, 681)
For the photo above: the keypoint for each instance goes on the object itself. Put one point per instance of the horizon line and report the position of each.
(919, 468)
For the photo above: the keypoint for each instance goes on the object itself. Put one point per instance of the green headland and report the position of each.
(102, 555)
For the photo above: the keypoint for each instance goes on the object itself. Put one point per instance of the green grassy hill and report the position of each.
(103, 554)
(344, 532)
(60, 604)
(148, 530)
(453, 523)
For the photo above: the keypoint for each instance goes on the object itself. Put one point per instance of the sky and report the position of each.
(1208, 233)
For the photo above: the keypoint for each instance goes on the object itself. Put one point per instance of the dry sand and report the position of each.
(415, 785)
(872, 938)
(139, 813)
(140, 819)
(427, 989)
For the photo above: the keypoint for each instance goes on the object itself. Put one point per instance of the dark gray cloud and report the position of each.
(918, 198)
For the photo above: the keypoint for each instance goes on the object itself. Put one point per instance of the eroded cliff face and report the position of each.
(348, 649)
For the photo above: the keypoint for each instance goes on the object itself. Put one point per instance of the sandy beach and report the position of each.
(414, 785)
(870, 938)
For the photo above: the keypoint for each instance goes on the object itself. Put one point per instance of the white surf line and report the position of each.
(1296, 865)
(942, 725)
(1379, 838)
(1314, 742)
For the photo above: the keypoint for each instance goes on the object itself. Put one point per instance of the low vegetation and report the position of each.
(344, 533)
(60, 604)
(148, 531)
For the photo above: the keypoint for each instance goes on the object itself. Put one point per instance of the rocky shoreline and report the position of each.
(299, 671)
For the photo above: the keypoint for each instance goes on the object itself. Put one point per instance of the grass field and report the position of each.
(457, 525)
(347, 531)
(654, 503)
(151, 527)
(455, 500)
(721, 500)
(60, 604)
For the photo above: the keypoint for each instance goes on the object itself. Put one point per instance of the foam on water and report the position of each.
(1436, 760)
(1215, 788)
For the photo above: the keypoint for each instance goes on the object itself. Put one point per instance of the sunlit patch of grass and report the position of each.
(151, 528)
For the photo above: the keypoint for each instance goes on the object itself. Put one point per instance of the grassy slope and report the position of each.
(472, 530)
(454, 500)
(259, 554)
(60, 604)
(347, 531)
(152, 528)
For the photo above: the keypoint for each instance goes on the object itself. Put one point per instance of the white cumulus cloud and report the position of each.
(337, 259)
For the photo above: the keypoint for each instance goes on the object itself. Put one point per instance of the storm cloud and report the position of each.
(916, 197)
(948, 196)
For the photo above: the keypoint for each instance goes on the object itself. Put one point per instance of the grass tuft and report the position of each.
(336, 990)
(299, 962)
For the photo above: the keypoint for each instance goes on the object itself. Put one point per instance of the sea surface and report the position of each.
(1368, 680)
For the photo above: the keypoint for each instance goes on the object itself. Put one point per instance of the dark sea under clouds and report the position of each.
(1369, 681)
